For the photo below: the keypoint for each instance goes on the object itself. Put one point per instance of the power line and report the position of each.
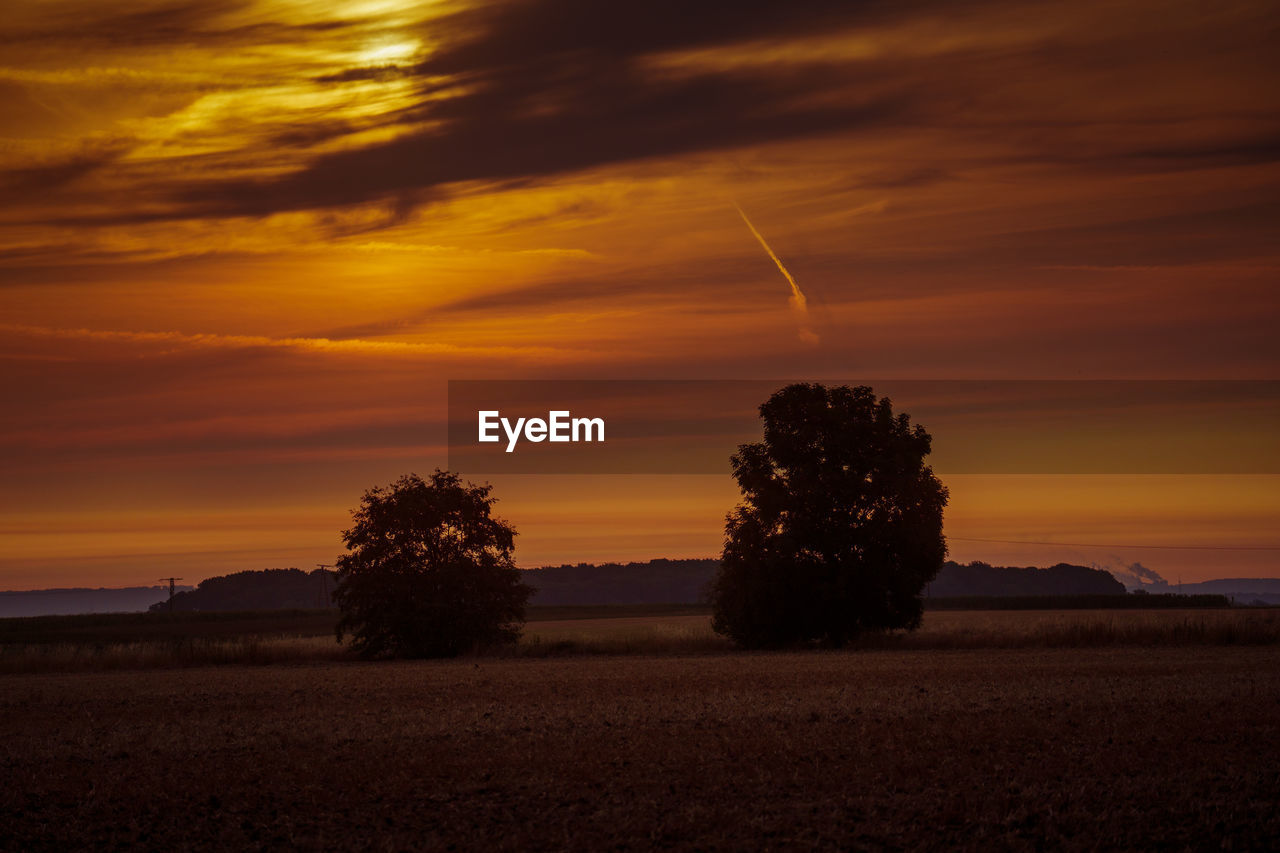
(1115, 545)
(171, 581)
(325, 599)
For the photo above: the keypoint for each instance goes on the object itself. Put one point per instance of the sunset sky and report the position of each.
(244, 246)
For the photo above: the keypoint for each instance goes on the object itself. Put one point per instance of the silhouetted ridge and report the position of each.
(267, 589)
(684, 582)
(658, 581)
(978, 578)
(655, 582)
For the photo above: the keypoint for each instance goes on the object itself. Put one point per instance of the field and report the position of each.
(942, 630)
(131, 641)
(1158, 748)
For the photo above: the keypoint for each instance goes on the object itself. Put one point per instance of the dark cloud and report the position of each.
(595, 119)
(365, 73)
(531, 89)
(1264, 148)
(543, 87)
(304, 135)
(52, 176)
(1148, 152)
(521, 91)
(495, 37)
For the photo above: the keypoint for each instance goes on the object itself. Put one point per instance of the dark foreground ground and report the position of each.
(981, 749)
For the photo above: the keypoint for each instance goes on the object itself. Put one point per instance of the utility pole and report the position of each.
(325, 601)
(171, 581)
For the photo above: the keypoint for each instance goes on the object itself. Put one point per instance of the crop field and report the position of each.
(1075, 748)
(133, 641)
(946, 629)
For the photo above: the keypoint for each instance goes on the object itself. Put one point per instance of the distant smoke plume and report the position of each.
(799, 304)
(1138, 576)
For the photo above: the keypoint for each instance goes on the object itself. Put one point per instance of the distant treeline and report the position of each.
(686, 581)
(975, 585)
(654, 582)
(266, 589)
(983, 579)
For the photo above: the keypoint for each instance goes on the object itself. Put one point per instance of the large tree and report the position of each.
(840, 527)
(430, 571)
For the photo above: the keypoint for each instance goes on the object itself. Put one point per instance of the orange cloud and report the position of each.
(244, 245)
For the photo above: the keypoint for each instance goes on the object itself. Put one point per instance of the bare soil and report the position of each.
(1087, 748)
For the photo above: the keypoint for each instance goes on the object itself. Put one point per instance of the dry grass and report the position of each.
(681, 633)
(1123, 747)
(195, 651)
(990, 629)
(1083, 628)
(677, 634)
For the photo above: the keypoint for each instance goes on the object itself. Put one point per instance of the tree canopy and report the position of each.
(430, 571)
(840, 526)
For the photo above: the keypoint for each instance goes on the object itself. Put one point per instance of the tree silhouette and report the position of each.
(430, 571)
(840, 526)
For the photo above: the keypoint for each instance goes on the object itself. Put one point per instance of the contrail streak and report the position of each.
(798, 302)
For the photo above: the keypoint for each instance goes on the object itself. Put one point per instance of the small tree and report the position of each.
(840, 526)
(430, 572)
